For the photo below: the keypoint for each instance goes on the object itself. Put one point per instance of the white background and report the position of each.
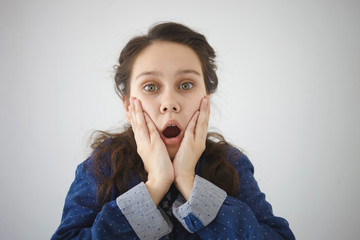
(289, 97)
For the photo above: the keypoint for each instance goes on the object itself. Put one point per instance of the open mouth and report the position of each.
(171, 131)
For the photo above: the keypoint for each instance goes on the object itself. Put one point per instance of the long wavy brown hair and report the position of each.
(115, 159)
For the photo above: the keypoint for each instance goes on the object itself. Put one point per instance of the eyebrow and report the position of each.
(158, 73)
(186, 71)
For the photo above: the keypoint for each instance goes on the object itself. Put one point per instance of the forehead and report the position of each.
(166, 57)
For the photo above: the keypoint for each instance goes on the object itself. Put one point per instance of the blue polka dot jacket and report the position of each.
(208, 214)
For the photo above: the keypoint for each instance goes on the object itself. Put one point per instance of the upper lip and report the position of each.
(169, 123)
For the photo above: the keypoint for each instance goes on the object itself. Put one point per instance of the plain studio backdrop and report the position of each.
(289, 96)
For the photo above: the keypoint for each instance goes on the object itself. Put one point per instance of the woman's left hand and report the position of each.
(191, 148)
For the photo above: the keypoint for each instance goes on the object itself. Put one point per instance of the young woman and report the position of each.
(165, 176)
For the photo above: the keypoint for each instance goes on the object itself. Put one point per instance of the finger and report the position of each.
(140, 120)
(128, 116)
(151, 126)
(203, 120)
(133, 122)
(139, 114)
(132, 113)
(139, 129)
(190, 129)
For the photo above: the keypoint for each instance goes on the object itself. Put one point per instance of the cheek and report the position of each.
(145, 103)
(150, 107)
(147, 107)
(198, 102)
(191, 108)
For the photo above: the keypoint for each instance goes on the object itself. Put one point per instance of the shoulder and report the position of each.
(84, 168)
(99, 161)
(238, 159)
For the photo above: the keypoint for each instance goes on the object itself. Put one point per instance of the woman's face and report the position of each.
(167, 78)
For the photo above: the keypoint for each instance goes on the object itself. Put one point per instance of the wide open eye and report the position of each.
(186, 86)
(151, 87)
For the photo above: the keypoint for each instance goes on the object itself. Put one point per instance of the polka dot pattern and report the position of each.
(142, 214)
(209, 214)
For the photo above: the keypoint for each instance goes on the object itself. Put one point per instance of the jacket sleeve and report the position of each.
(83, 219)
(248, 216)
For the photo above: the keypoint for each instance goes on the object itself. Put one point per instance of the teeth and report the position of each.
(172, 125)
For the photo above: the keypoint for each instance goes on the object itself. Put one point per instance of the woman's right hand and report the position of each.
(152, 151)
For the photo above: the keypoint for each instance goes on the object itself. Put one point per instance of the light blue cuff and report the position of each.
(204, 203)
(140, 211)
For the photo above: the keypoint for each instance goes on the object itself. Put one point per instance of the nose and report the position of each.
(169, 104)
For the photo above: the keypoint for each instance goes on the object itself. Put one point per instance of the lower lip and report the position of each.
(172, 141)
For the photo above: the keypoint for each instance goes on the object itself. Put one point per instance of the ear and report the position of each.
(126, 104)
